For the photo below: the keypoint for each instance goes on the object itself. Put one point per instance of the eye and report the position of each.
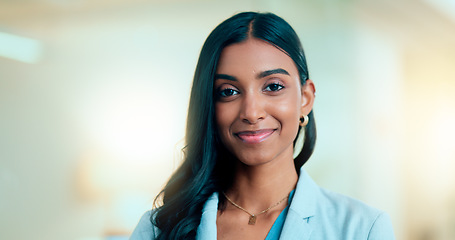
(274, 87)
(227, 92)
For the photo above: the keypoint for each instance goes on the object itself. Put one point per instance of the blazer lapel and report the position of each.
(301, 216)
(296, 227)
(207, 228)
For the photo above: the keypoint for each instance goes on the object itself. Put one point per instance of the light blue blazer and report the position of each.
(314, 214)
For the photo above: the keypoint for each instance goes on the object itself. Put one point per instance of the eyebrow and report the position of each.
(271, 72)
(260, 75)
(225, 76)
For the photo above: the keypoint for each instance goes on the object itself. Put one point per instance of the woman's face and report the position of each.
(259, 101)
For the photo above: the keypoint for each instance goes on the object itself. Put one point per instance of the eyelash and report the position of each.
(278, 85)
(230, 91)
(222, 92)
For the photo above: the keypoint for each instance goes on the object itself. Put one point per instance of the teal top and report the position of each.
(275, 231)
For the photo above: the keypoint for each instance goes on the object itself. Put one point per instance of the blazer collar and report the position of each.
(207, 228)
(305, 196)
(298, 223)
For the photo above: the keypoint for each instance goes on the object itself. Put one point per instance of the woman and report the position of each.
(250, 111)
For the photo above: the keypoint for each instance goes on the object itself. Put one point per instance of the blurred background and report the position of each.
(94, 94)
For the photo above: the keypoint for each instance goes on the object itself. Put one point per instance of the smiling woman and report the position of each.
(259, 101)
(251, 102)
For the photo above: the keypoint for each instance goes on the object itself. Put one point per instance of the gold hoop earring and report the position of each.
(304, 120)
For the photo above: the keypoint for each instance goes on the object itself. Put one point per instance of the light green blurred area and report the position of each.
(93, 99)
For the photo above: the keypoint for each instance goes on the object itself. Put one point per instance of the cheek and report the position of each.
(288, 110)
(223, 118)
(288, 113)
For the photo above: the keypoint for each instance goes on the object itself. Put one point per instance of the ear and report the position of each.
(308, 95)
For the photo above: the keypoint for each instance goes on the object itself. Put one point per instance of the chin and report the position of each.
(255, 159)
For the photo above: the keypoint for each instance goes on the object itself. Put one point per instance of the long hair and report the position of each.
(205, 169)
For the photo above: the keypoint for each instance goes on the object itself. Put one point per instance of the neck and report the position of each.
(258, 187)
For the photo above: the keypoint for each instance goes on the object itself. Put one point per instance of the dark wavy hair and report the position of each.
(205, 168)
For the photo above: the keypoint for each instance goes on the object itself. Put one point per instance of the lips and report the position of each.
(255, 136)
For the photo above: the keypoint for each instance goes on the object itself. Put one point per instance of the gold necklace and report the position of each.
(253, 217)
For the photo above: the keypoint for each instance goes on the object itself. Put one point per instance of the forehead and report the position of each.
(254, 55)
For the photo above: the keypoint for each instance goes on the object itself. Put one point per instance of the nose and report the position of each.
(252, 110)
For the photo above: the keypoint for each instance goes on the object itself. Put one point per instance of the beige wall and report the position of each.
(92, 111)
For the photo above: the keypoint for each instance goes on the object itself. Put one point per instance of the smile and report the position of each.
(254, 136)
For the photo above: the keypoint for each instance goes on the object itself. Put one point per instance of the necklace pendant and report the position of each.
(252, 220)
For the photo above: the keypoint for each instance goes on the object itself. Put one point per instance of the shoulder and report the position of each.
(353, 217)
(145, 229)
(333, 214)
(335, 204)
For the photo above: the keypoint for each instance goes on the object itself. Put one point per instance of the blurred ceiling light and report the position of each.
(20, 48)
(447, 7)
